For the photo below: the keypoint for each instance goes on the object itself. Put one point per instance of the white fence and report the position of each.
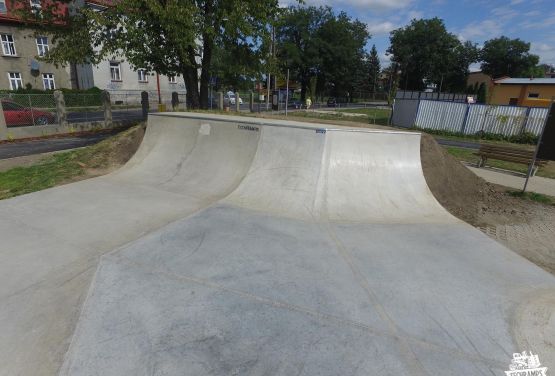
(470, 118)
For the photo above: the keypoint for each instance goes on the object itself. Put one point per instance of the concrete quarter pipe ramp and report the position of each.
(292, 250)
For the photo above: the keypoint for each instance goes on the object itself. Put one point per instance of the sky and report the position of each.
(477, 20)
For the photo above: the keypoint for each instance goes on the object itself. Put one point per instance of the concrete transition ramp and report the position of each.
(293, 249)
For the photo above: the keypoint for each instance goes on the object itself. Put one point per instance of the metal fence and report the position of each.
(422, 95)
(28, 109)
(83, 108)
(468, 118)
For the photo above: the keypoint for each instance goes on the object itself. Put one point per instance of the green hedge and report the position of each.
(521, 138)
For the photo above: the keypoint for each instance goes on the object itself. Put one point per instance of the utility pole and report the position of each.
(287, 93)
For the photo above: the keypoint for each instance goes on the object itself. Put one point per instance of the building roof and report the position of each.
(526, 81)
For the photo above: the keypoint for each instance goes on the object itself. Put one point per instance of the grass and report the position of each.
(467, 155)
(533, 196)
(375, 115)
(59, 168)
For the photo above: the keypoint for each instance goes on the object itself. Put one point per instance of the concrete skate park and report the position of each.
(241, 246)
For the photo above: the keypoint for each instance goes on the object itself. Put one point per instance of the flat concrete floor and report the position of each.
(238, 246)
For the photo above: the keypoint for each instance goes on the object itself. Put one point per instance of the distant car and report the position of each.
(332, 102)
(297, 104)
(16, 115)
(230, 98)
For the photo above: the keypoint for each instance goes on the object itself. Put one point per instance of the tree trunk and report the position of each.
(205, 73)
(191, 83)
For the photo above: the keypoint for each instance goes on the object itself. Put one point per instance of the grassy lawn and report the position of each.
(466, 155)
(62, 167)
(373, 116)
(320, 115)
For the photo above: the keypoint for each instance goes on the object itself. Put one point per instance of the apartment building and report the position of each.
(20, 65)
(19, 57)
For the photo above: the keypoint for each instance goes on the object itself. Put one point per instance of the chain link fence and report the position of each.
(28, 109)
(84, 108)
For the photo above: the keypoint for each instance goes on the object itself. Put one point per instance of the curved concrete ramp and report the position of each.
(331, 257)
(51, 240)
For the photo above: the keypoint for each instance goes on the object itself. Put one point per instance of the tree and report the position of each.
(374, 69)
(507, 57)
(313, 42)
(427, 53)
(299, 43)
(166, 36)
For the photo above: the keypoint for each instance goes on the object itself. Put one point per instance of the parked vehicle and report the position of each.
(332, 102)
(16, 114)
(229, 99)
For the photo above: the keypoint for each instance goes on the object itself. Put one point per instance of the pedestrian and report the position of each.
(308, 103)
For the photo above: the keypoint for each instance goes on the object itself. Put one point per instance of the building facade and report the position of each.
(530, 92)
(20, 66)
(116, 74)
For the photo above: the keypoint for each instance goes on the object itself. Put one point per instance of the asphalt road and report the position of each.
(23, 148)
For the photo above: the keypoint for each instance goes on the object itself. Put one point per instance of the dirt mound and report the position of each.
(471, 198)
(110, 154)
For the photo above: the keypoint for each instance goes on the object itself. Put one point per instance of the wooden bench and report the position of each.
(509, 154)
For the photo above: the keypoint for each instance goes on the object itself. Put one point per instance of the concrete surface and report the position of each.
(536, 184)
(293, 249)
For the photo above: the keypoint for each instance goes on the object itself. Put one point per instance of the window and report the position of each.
(8, 45)
(48, 81)
(3, 8)
(172, 79)
(15, 80)
(115, 71)
(42, 46)
(142, 75)
(533, 95)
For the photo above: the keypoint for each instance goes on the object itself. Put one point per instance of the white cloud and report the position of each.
(484, 29)
(539, 22)
(381, 28)
(504, 13)
(545, 51)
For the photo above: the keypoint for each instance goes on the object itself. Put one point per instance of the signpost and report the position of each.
(545, 149)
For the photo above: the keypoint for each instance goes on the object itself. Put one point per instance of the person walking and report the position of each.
(308, 103)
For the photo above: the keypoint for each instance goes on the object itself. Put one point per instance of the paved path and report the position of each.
(23, 148)
(536, 184)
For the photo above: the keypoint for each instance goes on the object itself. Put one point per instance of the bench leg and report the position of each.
(534, 170)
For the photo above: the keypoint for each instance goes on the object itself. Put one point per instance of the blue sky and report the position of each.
(476, 20)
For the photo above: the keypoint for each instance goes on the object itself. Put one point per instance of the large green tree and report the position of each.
(374, 69)
(507, 57)
(166, 36)
(314, 42)
(427, 53)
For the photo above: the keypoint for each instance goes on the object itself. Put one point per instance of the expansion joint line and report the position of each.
(415, 367)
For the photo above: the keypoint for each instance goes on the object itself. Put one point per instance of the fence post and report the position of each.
(3, 127)
(526, 119)
(237, 105)
(251, 102)
(145, 104)
(61, 112)
(107, 106)
(465, 120)
(220, 101)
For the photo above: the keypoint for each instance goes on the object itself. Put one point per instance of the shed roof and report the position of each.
(526, 81)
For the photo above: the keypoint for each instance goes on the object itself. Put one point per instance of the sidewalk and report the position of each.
(536, 184)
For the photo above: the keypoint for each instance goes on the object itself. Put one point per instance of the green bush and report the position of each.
(522, 138)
